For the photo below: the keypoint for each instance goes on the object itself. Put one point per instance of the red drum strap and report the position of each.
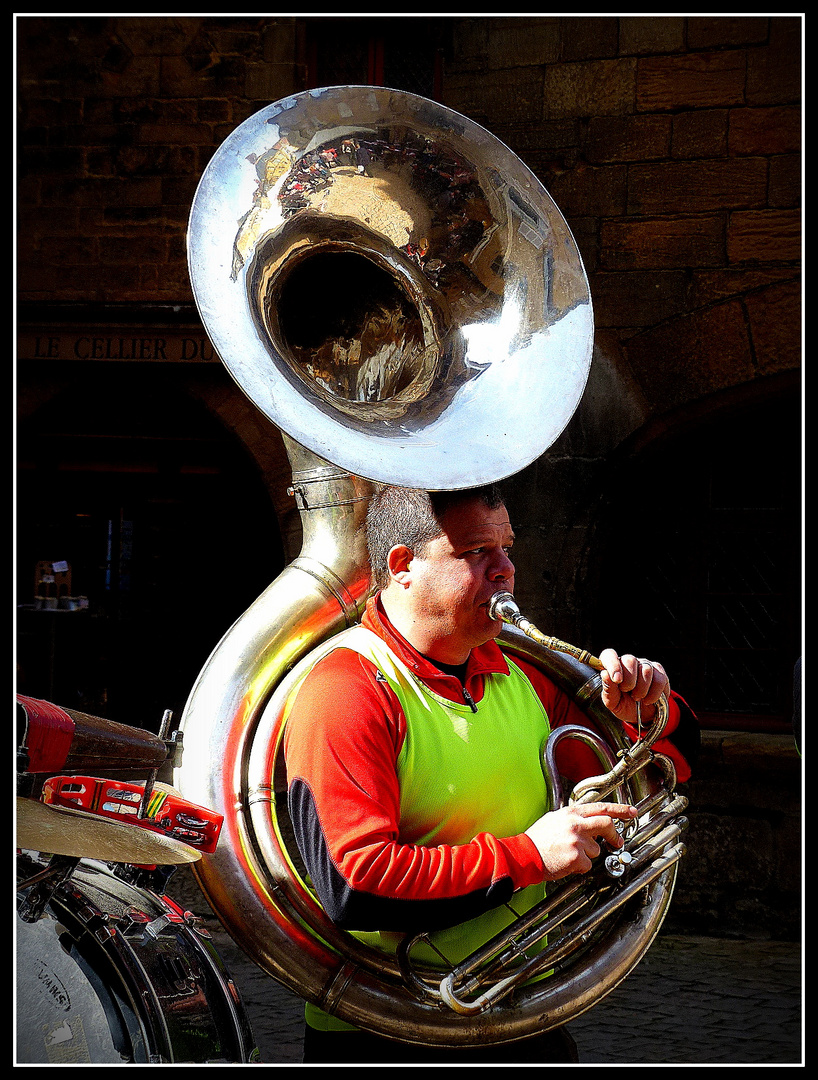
(49, 735)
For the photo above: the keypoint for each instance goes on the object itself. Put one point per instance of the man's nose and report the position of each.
(503, 568)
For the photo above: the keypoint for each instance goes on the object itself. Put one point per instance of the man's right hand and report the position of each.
(567, 838)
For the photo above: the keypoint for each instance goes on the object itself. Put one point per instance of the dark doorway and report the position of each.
(166, 531)
(710, 584)
(401, 53)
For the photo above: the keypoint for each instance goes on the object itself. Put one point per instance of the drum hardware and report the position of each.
(75, 815)
(110, 969)
(164, 728)
(112, 972)
(154, 878)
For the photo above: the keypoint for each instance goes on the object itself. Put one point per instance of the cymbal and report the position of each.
(60, 831)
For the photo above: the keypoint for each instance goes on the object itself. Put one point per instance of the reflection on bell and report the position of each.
(366, 258)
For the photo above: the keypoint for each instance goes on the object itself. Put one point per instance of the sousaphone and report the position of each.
(399, 295)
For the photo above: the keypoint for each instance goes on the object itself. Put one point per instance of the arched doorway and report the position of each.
(167, 531)
(710, 584)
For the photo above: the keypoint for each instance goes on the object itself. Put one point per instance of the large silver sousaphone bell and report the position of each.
(395, 291)
(391, 287)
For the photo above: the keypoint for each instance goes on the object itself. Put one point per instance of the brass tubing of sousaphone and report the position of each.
(463, 364)
(252, 883)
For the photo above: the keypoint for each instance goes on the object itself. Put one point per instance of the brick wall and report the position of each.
(118, 118)
(671, 144)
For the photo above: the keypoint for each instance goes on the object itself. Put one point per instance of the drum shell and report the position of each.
(113, 972)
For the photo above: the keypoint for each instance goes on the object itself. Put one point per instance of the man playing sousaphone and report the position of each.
(413, 760)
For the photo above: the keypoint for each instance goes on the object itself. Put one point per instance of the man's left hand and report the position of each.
(631, 683)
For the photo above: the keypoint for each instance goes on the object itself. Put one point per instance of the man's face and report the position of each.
(455, 577)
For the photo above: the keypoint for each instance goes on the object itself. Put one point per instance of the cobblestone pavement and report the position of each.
(692, 1000)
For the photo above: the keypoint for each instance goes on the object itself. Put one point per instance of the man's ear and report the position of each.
(399, 562)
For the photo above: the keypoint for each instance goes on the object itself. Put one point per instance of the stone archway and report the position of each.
(709, 581)
(167, 524)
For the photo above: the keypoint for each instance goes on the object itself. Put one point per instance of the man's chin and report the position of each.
(492, 627)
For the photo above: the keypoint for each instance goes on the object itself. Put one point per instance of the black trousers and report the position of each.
(361, 1048)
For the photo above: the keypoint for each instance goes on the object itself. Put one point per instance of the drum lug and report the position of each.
(156, 926)
(101, 929)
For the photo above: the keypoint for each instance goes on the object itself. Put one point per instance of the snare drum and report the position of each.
(115, 973)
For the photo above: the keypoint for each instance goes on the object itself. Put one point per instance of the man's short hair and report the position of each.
(412, 517)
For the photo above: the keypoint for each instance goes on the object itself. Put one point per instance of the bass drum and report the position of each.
(112, 972)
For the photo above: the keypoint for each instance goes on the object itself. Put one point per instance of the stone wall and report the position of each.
(671, 144)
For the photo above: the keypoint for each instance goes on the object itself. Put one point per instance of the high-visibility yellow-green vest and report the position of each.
(463, 769)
